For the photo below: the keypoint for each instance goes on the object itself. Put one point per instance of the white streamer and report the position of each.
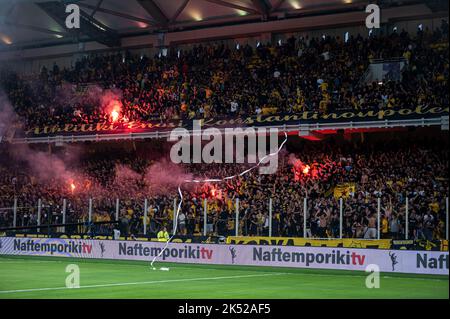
(214, 180)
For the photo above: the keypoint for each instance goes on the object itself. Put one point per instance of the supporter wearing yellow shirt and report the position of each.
(206, 110)
(275, 94)
(163, 235)
(407, 55)
(230, 224)
(268, 110)
(272, 51)
(170, 213)
(384, 226)
(354, 103)
(391, 102)
(434, 206)
(440, 77)
(230, 204)
(129, 212)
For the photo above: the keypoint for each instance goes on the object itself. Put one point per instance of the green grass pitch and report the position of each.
(44, 277)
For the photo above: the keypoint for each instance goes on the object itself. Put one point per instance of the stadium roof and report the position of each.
(34, 23)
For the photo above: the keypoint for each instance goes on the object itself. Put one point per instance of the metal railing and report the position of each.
(208, 223)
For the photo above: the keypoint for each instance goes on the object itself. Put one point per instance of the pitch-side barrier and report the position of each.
(390, 261)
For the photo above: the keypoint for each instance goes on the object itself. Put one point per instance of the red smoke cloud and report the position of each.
(165, 176)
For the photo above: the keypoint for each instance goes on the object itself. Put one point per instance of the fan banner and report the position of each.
(306, 117)
(295, 241)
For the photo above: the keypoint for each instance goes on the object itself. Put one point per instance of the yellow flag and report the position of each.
(344, 190)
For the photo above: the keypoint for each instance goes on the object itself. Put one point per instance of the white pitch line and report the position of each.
(142, 283)
(13, 260)
(125, 265)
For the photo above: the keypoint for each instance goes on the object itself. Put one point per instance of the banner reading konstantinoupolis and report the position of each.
(402, 261)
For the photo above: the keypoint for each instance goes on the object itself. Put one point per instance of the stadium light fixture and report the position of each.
(5, 39)
(142, 25)
(295, 4)
(196, 15)
(241, 12)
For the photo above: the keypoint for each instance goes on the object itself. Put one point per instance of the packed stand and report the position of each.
(387, 170)
(302, 74)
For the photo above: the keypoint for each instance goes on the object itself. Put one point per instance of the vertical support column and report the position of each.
(117, 209)
(15, 212)
(49, 221)
(407, 218)
(341, 216)
(205, 216)
(446, 218)
(378, 217)
(270, 217)
(145, 216)
(39, 214)
(90, 211)
(174, 218)
(236, 222)
(64, 214)
(305, 212)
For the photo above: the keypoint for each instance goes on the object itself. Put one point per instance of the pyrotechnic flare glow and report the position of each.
(113, 106)
(216, 193)
(72, 187)
(215, 180)
(114, 115)
(306, 170)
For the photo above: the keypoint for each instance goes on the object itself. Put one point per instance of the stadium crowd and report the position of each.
(316, 74)
(363, 172)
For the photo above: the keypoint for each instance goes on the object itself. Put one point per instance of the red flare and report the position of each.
(114, 115)
(306, 169)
